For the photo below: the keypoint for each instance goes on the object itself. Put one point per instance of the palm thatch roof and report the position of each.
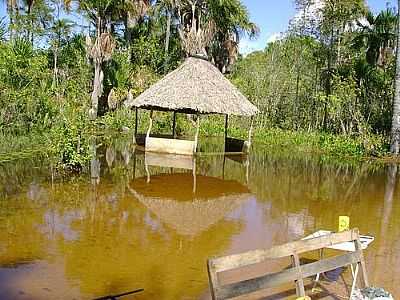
(187, 212)
(195, 87)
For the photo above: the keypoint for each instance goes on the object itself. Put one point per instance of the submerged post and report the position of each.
(150, 125)
(196, 137)
(174, 124)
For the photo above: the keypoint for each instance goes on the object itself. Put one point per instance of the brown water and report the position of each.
(119, 228)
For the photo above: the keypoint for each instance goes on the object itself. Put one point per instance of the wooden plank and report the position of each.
(213, 279)
(358, 247)
(299, 282)
(256, 256)
(174, 125)
(289, 275)
(169, 160)
(169, 146)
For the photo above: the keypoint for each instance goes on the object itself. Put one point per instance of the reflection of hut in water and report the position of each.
(196, 87)
(171, 198)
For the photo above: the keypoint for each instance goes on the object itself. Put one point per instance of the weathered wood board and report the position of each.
(169, 160)
(171, 146)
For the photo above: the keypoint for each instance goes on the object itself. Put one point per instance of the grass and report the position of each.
(21, 147)
(339, 146)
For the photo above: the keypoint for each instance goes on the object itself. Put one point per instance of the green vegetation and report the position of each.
(325, 86)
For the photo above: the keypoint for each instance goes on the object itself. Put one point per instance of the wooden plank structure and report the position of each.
(297, 273)
(198, 88)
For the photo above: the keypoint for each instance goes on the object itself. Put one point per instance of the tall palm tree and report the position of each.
(12, 9)
(232, 23)
(132, 11)
(169, 7)
(395, 134)
(218, 25)
(100, 13)
(377, 35)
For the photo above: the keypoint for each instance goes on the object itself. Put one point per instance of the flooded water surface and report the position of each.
(129, 223)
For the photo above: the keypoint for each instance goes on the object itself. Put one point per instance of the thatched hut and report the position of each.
(188, 212)
(195, 87)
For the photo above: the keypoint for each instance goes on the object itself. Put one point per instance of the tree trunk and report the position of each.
(328, 88)
(128, 37)
(97, 89)
(386, 217)
(55, 71)
(167, 38)
(395, 134)
(98, 73)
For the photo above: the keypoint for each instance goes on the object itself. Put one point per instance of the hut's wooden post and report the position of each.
(250, 131)
(136, 126)
(150, 125)
(174, 125)
(196, 137)
(136, 121)
(226, 126)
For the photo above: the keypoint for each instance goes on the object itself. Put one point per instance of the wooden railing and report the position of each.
(294, 274)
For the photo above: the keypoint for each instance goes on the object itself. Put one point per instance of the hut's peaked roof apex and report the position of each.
(195, 87)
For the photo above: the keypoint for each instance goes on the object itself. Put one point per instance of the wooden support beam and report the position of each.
(361, 263)
(250, 132)
(136, 121)
(174, 125)
(150, 125)
(196, 137)
(226, 126)
(299, 281)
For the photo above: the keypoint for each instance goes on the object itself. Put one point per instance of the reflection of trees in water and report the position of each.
(15, 175)
(22, 239)
(121, 247)
(387, 257)
(112, 243)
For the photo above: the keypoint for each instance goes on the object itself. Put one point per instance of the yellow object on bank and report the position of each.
(304, 298)
(344, 223)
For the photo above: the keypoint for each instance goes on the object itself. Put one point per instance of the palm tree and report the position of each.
(170, 8)
(100, 13)
(12, 9)
(377, 36)
(232, 23)
(395, 134)
(217, 25)
(132, 11)
(59, 31)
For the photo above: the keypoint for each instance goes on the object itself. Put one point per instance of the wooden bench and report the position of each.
(296, 273)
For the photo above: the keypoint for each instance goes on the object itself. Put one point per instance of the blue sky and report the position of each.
(272, 16)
